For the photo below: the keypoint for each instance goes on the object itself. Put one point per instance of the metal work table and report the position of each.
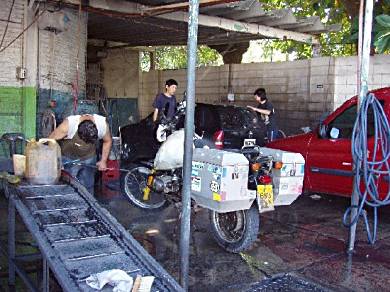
(76, 237)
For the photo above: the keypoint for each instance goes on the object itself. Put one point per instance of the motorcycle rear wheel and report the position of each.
(235, 231)
(134, 184)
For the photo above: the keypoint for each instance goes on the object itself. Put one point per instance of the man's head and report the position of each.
(260, 95)
(171, 86)
(88, 132)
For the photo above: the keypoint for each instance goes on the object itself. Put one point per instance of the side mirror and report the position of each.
(322, 129)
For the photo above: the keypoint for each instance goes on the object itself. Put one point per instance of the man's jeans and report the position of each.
(84, 174)
(272, 134)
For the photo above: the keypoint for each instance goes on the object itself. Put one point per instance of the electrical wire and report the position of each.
(8, 20)
(370, 172)
(23, 31)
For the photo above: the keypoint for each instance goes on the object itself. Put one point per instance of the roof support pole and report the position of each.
(188, 141)
(364, 67)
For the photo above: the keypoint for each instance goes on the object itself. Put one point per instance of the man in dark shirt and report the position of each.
(267, 113)
(166, 102)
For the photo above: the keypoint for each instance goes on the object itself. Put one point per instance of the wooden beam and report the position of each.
(182, 5)
(115, 6)
(237, 26)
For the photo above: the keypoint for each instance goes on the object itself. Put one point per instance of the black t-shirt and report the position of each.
(165, 104)
(269, 120)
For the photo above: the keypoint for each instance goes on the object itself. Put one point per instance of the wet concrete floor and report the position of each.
(306, 239)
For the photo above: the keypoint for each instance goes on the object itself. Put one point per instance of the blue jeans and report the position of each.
(272, 134)
(84, 174)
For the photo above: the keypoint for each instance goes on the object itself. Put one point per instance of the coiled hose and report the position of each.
(370, 170)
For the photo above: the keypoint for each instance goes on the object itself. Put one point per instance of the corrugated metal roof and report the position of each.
(151, 30)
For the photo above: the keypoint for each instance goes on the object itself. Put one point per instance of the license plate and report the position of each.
(249, 142)
(266, 194)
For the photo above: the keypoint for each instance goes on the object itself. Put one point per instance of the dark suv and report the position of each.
(223, 127)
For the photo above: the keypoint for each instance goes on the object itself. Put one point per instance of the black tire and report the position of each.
(134, 183)
(235, 231)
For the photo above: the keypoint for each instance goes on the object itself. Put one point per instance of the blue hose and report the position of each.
(370, 171)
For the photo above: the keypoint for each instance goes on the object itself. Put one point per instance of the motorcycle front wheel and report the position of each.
(235, 231)
(135, 182)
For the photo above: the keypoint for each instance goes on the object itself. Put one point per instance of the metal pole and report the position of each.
(365, 62)
(189, 133)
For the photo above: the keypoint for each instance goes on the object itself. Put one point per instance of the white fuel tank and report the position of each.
(170, 154)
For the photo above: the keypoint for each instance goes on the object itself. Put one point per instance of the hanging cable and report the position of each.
(372, 171)
(23, 31)
(6, 26)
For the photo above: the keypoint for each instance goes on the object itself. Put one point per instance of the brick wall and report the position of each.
(11, 57)
(52, 56)
(11, 93)
(58, 55)
(301, 91)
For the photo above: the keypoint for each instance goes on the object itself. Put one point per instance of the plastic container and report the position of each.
(43, 162)
(19, 162)
(115, 149)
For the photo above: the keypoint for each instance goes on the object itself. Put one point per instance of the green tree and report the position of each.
(175, 57)
(344, 12)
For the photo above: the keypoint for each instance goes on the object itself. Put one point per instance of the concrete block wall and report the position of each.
(302, 91)
(121, 73)
(346, 76)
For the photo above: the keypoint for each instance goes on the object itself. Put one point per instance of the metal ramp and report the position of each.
(76, 237)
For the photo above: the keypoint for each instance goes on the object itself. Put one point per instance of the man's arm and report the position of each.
(107, 142)
(259, 110)
(155, 114)
(61, 131)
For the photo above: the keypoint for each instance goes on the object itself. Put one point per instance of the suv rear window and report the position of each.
(235, 117)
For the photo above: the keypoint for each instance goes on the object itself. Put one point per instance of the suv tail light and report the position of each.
(218, 139)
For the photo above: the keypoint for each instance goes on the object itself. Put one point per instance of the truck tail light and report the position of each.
(218, 138)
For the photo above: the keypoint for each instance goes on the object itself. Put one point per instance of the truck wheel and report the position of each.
(134, 184)
(235, 231)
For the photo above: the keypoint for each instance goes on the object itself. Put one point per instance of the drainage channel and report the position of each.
(77, 237)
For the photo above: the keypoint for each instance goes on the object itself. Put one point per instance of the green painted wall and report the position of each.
(18, 110)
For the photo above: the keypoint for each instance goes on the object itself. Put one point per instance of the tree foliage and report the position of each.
(344, 12)
(382, 36)
(175, 57)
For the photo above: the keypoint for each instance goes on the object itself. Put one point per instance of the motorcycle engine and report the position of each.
(166, 184)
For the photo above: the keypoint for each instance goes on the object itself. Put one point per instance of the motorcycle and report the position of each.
(153, 185)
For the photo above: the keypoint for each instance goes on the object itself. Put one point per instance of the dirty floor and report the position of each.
(306, 239)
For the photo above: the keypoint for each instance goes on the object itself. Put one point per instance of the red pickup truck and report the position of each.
(327, 149)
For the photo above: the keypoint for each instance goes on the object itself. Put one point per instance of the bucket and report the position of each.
(19, 162)
(43, 162)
